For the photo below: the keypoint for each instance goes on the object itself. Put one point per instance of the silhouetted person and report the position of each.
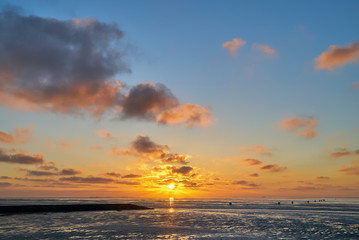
(292, 202)
(307, 201)
(229, 203)
(278, 203)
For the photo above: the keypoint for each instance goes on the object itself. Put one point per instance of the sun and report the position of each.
(171, 186)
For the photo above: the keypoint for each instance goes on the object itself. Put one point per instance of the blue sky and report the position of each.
(179, 44)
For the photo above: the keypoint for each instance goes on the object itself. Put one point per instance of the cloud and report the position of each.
(95, 180)
(65, 144)
(252, 162)
(338, 56)
(131, 176)
(69, 66)
(342, 153)
(70, 171)
(48, 166)
(5, 184)
(245, 183)
(273, 168)
(19, 135)
(57, 65)
(302, 127)
(187, 114)
(258, 150)
(265, 49)
(234, 45)
(322, 178)
(352, 170)
(113, 174)
(103, 133)
(254, 175)
(144, 147)
(5, 177)
(20, 158)
(40, 173)
(182, 170)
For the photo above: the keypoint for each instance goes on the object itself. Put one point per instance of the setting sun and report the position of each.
(171, 186)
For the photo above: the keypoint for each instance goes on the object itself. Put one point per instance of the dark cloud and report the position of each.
(245, 183)
(48, 166)
(5, 184)
(34, 179)
(5, 177)
(143, 144)
(146, 100)
(273, 168)
(352, 170)
(131, 176)
(69, 171)
(254, 175)
(20, 158)
(322, 178)
(113, 174)
(146, 148)
(341, 153)
(181, 170)
(69, 66)
(252, 162)
(40, 173)
(87, 180)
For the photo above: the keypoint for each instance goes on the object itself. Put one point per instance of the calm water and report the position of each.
(189, 219)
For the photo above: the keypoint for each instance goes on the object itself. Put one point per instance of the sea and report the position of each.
(332, 218)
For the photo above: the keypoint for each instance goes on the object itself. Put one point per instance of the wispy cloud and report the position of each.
(355, 84)
(305, 128)
(252, 162)
(19, 136)
(103, 133)
(245, 183)
(273, 168)
(258, 150)
(234, 45)
(352, 170)
(341, 153)
(338, 56)
(264, 48)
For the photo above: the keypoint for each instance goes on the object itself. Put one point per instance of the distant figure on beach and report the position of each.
(278, 203)
(292, 202)
(229, 203)
(307, 201)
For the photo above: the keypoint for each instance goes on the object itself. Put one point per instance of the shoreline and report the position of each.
(24, 209)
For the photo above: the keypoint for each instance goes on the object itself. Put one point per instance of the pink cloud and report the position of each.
(273, 168)
(234, 45)
(338, 56)
(352, 170)
(252, 162)
(264, 48)
(19, 135)
(302, 127)
(103, 133)
(186, 114)
(355, 85)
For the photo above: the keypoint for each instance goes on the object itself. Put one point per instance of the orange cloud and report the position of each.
(20, 158)
(252, 162)
(234, 45)
(273, 168)
(337, 56)
(258, 149)
(343, 152)
(103, 133)
(352, 170)
(187, 114)
(19, 135)
(302, 127)
(264, 48)
(355, 85)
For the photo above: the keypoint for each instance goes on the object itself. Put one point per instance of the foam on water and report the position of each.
(189, 219)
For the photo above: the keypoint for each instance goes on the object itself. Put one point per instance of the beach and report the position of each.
(189, 219)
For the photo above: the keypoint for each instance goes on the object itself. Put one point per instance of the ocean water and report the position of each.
(189, 219)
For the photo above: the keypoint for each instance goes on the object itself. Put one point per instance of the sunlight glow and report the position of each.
(171, 186)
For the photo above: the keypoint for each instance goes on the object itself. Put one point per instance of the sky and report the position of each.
(221, 99)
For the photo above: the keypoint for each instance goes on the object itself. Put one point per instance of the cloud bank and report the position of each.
(69, 66)
(305, 128)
